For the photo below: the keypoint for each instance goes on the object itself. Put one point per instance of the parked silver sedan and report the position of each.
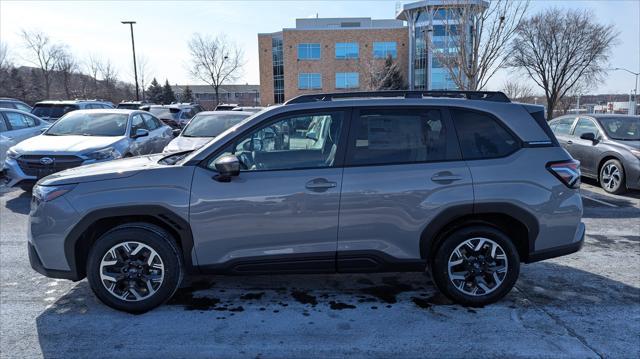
(17, 126)
(83, 137)
(203, 127)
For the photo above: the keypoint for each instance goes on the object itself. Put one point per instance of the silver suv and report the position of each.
(83, 137)
(466, 185)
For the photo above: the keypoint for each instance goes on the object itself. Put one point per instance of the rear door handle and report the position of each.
(445, 178)
(569, 142)
(320, 184)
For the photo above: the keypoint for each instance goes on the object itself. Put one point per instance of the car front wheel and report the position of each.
(612, 177)
(134, 267)
(476, 266)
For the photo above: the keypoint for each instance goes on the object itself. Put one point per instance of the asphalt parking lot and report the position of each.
(586, 305)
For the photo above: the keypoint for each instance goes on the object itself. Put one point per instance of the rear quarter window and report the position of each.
(481, 136)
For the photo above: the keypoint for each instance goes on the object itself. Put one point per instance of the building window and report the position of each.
(383, 49)
(308, 51)
(278, 70)
(347, 50)
(309, 81)
(347, 80)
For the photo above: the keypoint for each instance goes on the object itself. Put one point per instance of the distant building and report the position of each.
(341, 54)
(243, 95)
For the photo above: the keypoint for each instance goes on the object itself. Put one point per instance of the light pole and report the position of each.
(135, 66)
(632, 104)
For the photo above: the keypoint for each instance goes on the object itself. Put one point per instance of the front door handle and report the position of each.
(569, 142)
(445, 177)
(320, 184)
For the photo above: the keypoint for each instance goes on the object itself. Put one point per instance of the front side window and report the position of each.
(481, 137)
(297, 142)
(90, 124)
(308, 51)
(401, 136)
(347, 50)
(585, 125)
(309, 81)
(347, 80)
(381, 50)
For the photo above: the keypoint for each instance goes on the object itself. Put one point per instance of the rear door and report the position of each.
(403, 167)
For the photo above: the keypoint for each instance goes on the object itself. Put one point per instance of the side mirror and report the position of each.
(141, 132)
(176, 132)
(227, 166)
(590, 136)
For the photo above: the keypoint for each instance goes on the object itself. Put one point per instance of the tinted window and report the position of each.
(383, 49)
(562, 126)
(3, 126)
(481, 136)
(346, 50)
(7, 104)
(585, 125)
(52, 111)
(90, 124)
(210, 125)
(347, 80)
(407, 136)
(302, 141)
(308, 51)
(309, 81)
(165, 113)
(18, 121)
(622, 128)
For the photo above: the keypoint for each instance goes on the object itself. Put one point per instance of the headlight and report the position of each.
(636, 153)
(49, 193)
(12, 153)
(108, 153)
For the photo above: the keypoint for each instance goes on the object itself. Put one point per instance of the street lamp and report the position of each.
(135, 67)
(633, 103)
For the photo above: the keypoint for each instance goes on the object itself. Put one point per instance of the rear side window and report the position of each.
(562, 126)
(401, 136)
(18, 121)
(3, 126)
(481, 136)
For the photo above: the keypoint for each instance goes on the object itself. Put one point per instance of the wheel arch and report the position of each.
(606, 157)
(520, 225)
(96, 223)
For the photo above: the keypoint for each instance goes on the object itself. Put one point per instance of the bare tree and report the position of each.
(43, 53)
(473, 57)
(560, 48)
(144, 73)
(109, 76)
(215, 61)
(516, 90)
(66, 67)
(5, 62)
(93, 65)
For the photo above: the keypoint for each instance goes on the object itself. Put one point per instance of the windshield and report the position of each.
(211, 125)
(621, 128)
(90, 124)
(165, 113)
(52, 110)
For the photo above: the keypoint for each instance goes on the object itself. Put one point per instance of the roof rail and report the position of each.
(495, 96)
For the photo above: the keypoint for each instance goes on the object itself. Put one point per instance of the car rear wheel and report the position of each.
(134, 267)
(612, 177)
(476, 266)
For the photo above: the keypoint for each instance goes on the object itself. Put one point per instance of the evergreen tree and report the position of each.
(187, 95)
(167, 93)
(391, 76)
(154, 92)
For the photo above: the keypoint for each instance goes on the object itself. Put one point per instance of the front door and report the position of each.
(403, 166)
(586, 151)
(281, 212)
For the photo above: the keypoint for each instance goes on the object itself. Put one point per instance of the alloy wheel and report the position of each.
(611, 176)
(478, 266)
(131, 271)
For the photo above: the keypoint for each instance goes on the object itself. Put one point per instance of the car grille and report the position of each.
(34, 165)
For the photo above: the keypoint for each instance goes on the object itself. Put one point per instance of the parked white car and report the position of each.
(203, 127)
(15, 127)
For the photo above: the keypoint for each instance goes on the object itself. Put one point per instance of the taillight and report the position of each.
(568, 172)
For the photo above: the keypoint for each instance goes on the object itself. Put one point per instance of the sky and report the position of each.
(164, 28)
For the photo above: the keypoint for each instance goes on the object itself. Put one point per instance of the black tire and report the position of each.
(150, 235)
(440, 268)
(620, 186)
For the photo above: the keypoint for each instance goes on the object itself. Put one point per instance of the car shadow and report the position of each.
(20, 204)
(635, 194)
(78, 325)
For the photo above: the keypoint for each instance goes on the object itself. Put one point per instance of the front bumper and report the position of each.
(15, 174)
(562, 250)
(37, 265)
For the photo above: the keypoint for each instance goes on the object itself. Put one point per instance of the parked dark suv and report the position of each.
(607, 146)
(466, 185)
(174, 115)
(51, 111)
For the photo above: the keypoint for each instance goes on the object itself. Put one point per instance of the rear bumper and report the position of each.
(37, 265)
(562, 250)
